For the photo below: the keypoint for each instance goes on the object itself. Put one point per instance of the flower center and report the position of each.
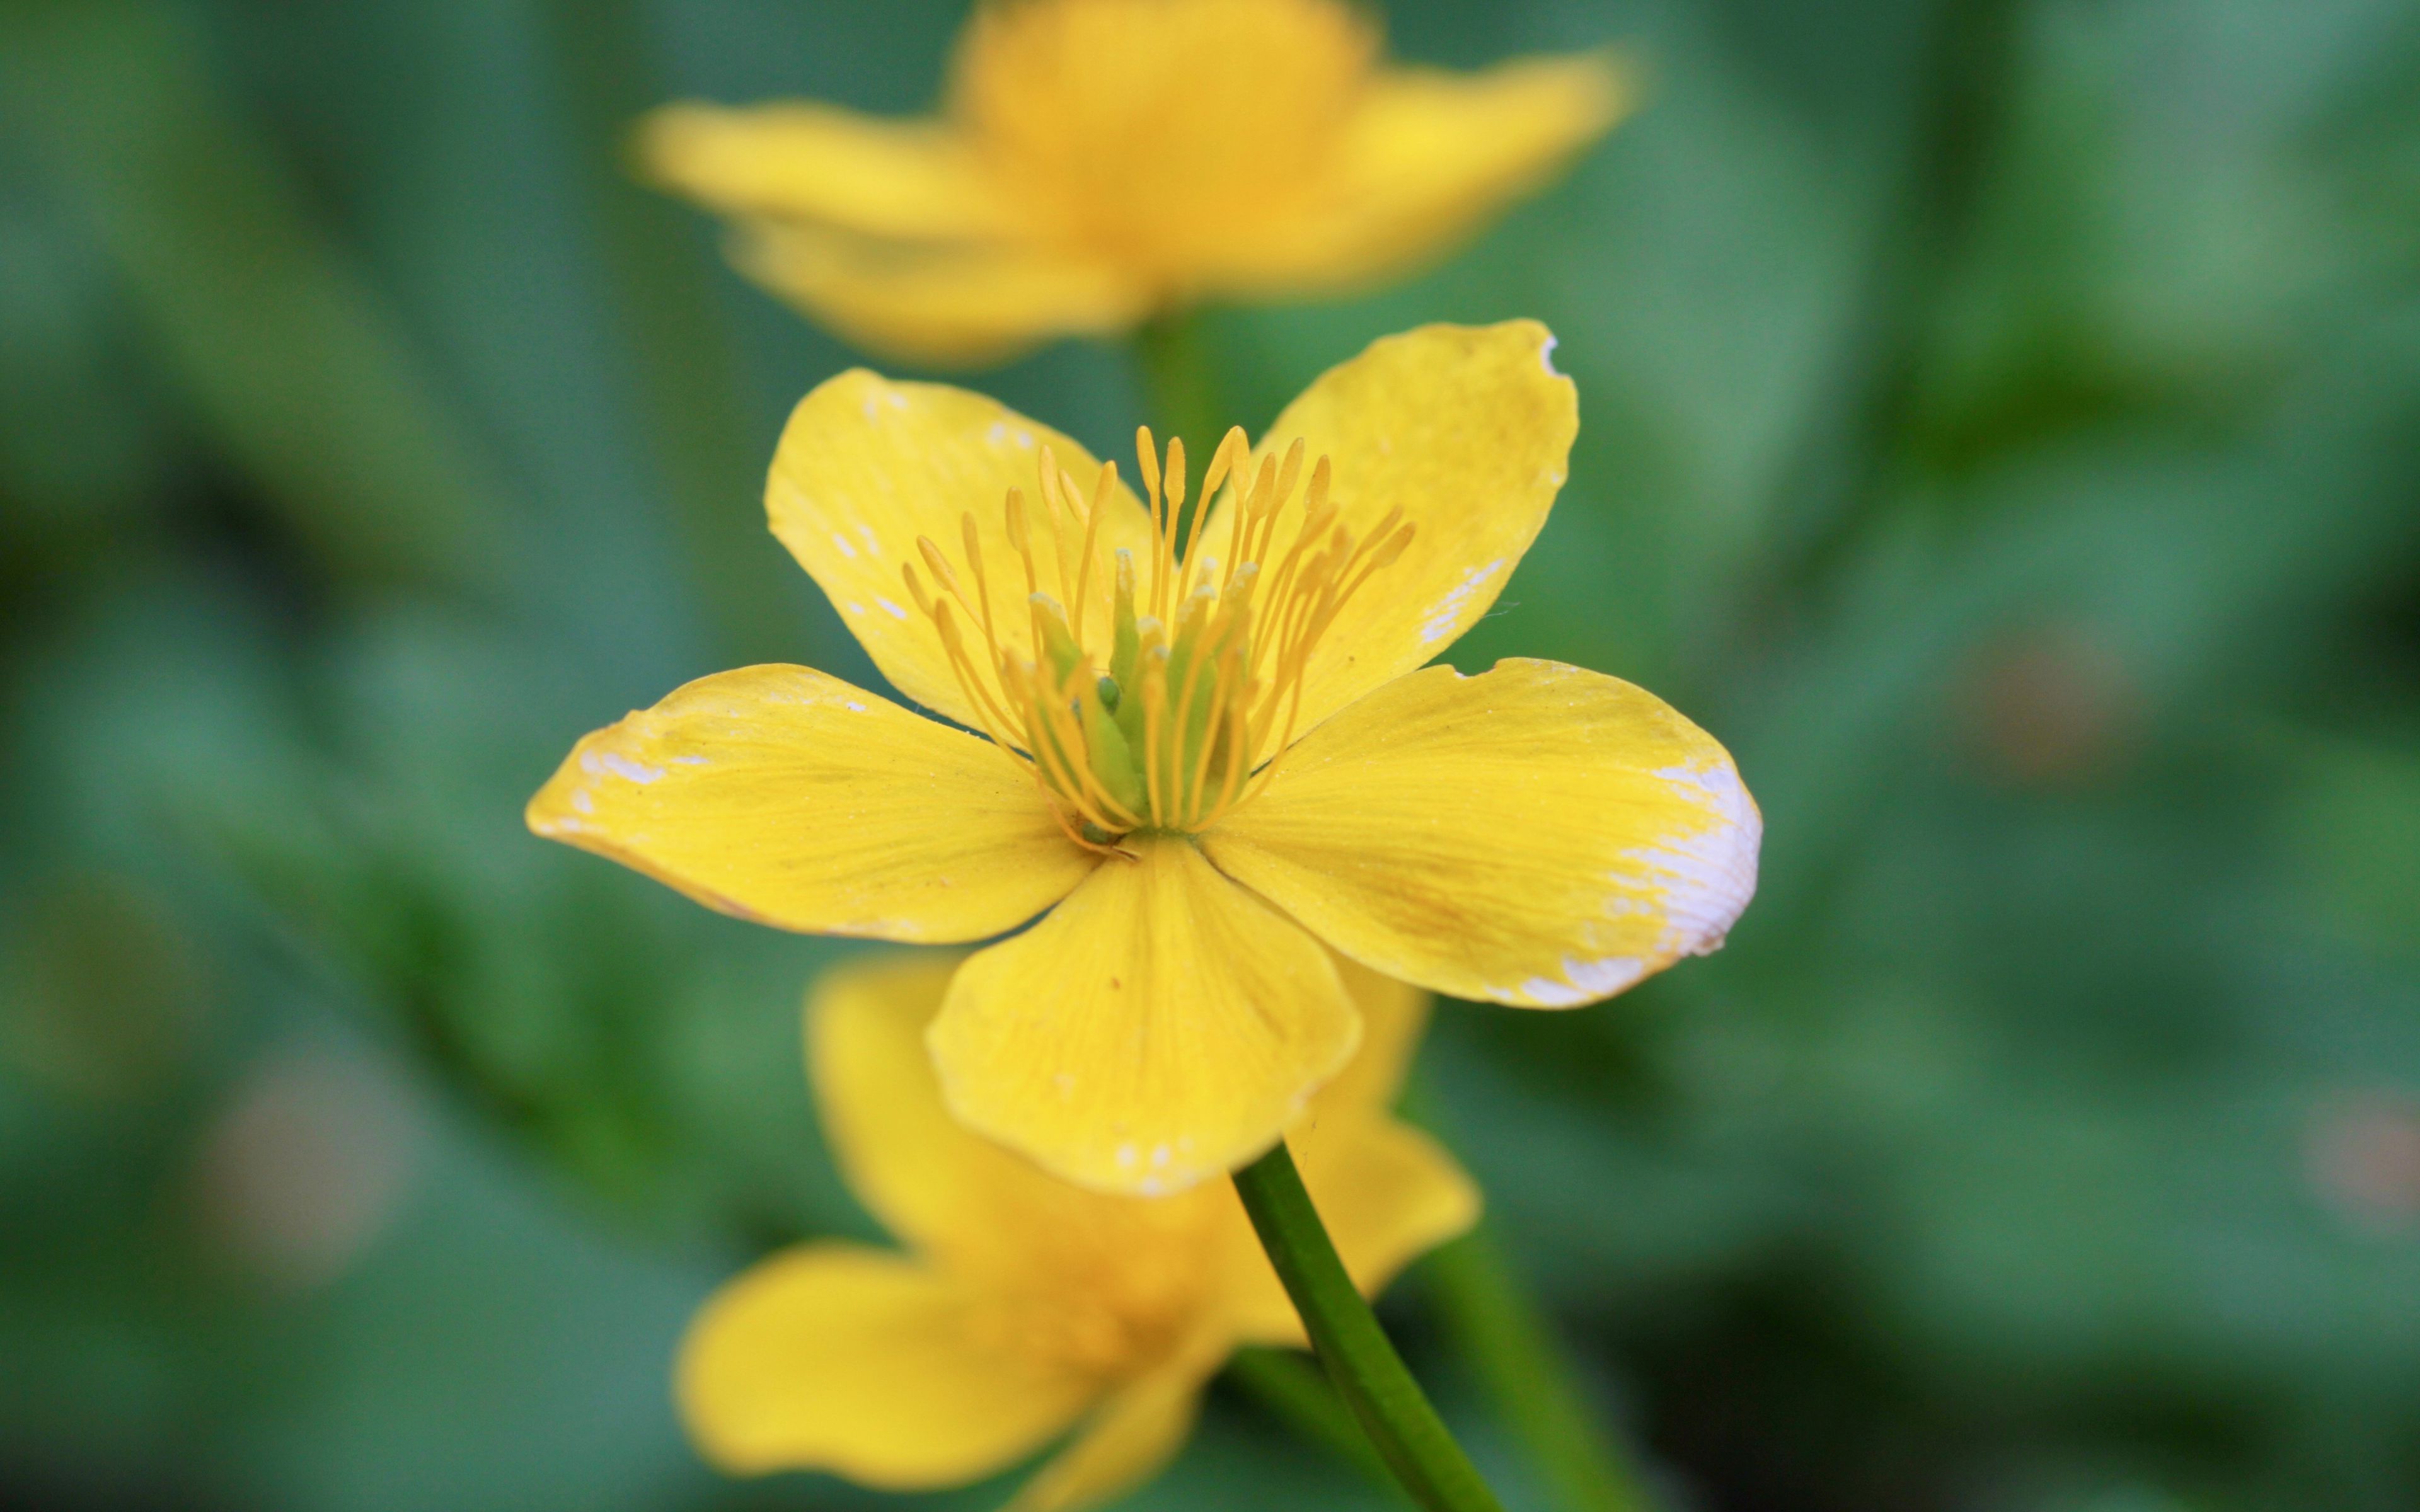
(1203, 681)
(1105, 1291)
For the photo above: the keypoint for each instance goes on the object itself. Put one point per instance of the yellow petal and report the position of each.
(809, 162)
(1128, 1439)
(1428, 156)
(867, 466)
(1538, 835)
(783, 796)
(1467, 430)
(1393, 1014)
(1161, 1025)
(836, 1357)
(941, 304)
(1111, 1275)
(1388, 1194)
(917, 1169)
(1176, 138)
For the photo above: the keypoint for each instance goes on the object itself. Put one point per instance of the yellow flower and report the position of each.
(1026, 1305)
(1210, 762)
(1100, 161)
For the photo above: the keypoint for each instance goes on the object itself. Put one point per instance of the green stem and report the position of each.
(1368, 1373)
(1500, 1329)
(1176, 381)
(1497, 1326)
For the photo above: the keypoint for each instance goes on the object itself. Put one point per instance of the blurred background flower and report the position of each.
(1997, 430)
(1021, 1310)
(1098, 164)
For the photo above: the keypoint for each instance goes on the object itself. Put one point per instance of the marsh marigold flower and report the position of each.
(1024, 1306)
(1098, 162)
(1204, 761)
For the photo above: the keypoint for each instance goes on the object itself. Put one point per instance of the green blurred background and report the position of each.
(2001, 428)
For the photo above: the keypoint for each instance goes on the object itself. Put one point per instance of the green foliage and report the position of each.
(1998, 428)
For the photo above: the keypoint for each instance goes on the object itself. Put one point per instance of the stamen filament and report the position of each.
(1154, 698)
(992, 718)
(1211, 478)
(1064, 785)
(1172, 481)
(1160, 726)
(1102, 490)
(1057, 500)
(983, 581)
(1070, 728)
(1214, 729)
(1014, 512)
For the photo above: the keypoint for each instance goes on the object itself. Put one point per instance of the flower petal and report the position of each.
(833, 1356)
(1467, 429)
(921, 1173)
(783, 796)
(1388, 1194)
(1428, 155)
(946, 304)
(1132, 1435)
(800, 161)
(867, 467)
(1393, 1015)
(1160, 1027)
(948, 1192)
(1538, 835)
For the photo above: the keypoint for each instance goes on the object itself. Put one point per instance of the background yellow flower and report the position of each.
(1023, 1307)
(1098, 162)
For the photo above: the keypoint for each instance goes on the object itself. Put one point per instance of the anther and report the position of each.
(1102, 489)
(1202, 663)
(1147, 456)
(1014, 511)
(939, 565)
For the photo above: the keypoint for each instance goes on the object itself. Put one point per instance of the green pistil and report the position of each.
(1213, 630)
(1107, 751)
(1125, 646)
(1112, 759)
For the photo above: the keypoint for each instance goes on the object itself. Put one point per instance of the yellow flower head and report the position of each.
(1025, 1305)
(1100, 161)
(1203, 762)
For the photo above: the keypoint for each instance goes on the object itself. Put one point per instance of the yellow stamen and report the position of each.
(983, 581)
(1057, 501)
(986, 709)
(1159, 727)
(1102, 490)
(1154, 716)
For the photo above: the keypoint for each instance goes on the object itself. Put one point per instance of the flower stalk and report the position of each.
(1497, 1327)
(1176, 380)
(1368, 1373)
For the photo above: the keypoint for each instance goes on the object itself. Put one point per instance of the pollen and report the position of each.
(1190, 699)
